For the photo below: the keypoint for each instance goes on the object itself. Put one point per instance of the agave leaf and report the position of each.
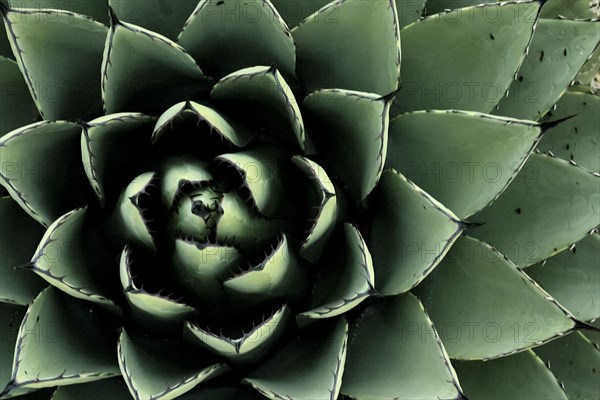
(96, 9)
(5, 49)
(248, 232)
(19, 235)
(576, 139)
(327, 211)
(575, 361)
(590, 69)
(464, 59)
(558, 50)
(153, 311)
(573, 9)
(250, 346)
(520, 376)
(268, 175)
(160, 370)
(11, 316)
(593, 335)
(438, 6)
(308, 368)
(295, 11)
(130, 213)
(222, 392)
(199, 270)
(109, 145)
(411, 232)
(505, 311)
(394, 352)
(572, 277)
(550, 205)
(177, 175)
(280, 277)
(61, 342)
(62, 87)
(71, 258)
(227, 129)
(410, 11)
(139, 63)
(463, 159)
(356, 41)
(114, 388)
(360, 121)
(347, 280)
(166, 18)
(227, 35)
(266, 99)
(41, 169)
(16, 105)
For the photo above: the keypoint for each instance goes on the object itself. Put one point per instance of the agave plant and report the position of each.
(240, 199)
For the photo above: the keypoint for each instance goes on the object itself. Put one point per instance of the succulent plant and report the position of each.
(298, 199)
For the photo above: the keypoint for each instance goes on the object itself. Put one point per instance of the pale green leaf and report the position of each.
(59, 54)
(227, 35)
(558, 50)
(484, 307)
(356, 41)
(573, 278)
(411, 232)
(550, 205)
(309, 368)
(395, 353)
(520, 376)
(464, 59)
(463, 159)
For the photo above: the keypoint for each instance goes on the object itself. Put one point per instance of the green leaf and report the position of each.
(267, 175)
(161, 370)
(576, 139)
(227, 35)
(114, 388)
(227, 129)
(177, 174)
(164, 17)
(11, 316)
(280, 277)
(520, 376)
(347, 279)
(130, 212)
(248, 232)
(309, 368)
(152, 311)
(96, 9)
(411, 232)
(59, 54)
(438, 6)
(71, 258)
(109, 145)
(593, 335)
(5, 49)
(572, 9)
(19, 235)
(41, 169)
(550, 205)
(356, 41)
(138, 64)
(360, 121)
(262, 95)
(395, 353)
(558, 51)
(463, 159)
(324, 222)
(464, 59)
(588, 73)
(199, 270)
(485, 307)
(61, 342)
(410, 10)
(250, 346)
(295, 11)
(572, 277)
(576, 363)
(16, 105)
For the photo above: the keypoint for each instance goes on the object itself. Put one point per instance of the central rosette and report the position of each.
(217, 235)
